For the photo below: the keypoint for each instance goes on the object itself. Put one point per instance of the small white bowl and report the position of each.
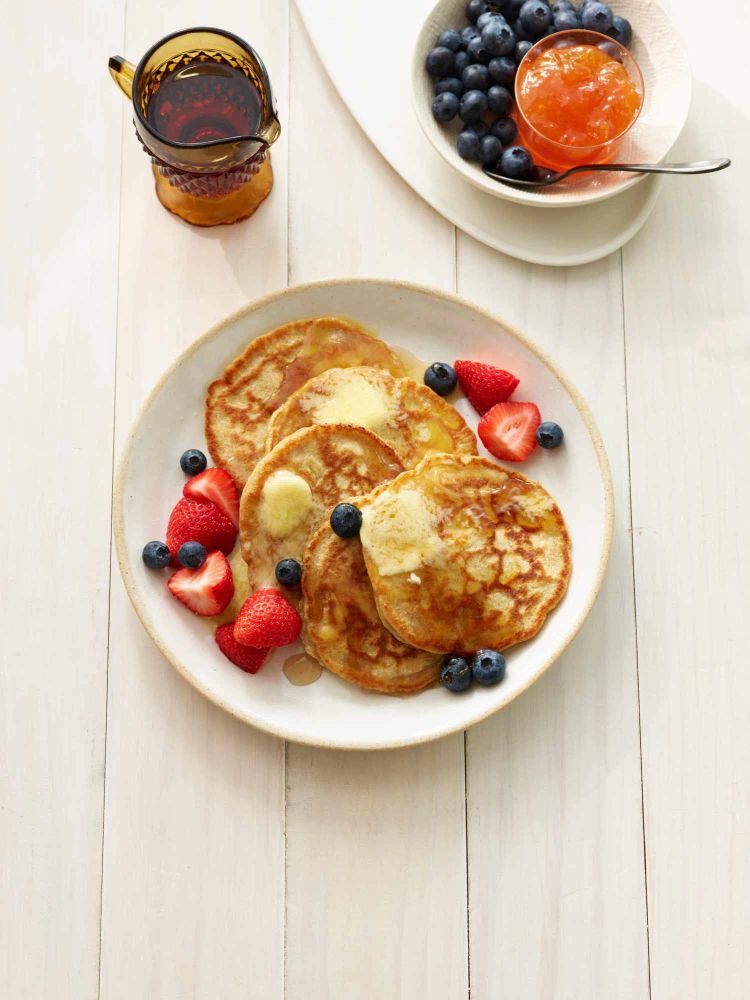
(657, 47)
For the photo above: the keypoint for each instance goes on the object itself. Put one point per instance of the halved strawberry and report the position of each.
(267, 619)
(245, 657)
(485, 384)
(205, 591)
(216, 486)
(508, 430)
(191, 521)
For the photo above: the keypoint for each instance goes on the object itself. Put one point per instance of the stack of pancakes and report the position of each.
(455, 554)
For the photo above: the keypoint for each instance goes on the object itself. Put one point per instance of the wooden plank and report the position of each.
(193, 864)
(556, 874)
(376, 878)
(60, 183)
(687, 301)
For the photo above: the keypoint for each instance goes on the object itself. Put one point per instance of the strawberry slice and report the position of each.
(191, 521)
(218, 487)
(508, 430)
(245, 657)
(267, 619)
(205, 591)
(484, 384)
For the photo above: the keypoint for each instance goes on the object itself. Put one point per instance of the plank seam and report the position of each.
(635, 617)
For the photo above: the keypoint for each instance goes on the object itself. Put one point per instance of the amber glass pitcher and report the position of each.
(204, 112)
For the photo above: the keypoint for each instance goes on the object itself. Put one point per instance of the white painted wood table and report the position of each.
(588, 843)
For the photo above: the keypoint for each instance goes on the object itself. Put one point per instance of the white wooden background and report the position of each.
(590, 842)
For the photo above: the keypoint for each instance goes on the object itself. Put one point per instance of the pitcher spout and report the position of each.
(122, 72)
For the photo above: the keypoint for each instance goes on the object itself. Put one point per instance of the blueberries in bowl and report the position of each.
(472, 106)
(566, 20)
(597, 17)
(535, 16)
(490, 149)
(449, 85)
(516, 163)
(502, 69)
(461, 60)
(499, 100)
(621, 31)
(498, 38)
(468, 144)
(521, 49)
(475, 9)
(445, 107)
(439, 61)
(450, 40)
(475, 77)
(505, 129)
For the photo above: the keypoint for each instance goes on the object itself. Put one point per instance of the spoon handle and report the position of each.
(696, 167)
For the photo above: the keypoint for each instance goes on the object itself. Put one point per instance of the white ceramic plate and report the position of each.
(659, 52)
(380, 103)
(330, 712)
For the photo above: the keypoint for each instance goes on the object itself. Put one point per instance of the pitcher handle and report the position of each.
(122, 72)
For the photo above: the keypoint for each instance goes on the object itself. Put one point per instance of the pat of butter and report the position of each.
(284, 503)
(356, 402)
(399, 533)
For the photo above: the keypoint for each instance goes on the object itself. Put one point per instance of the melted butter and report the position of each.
(399, 533)
(285, 502)
(357, 402)
(301, 669)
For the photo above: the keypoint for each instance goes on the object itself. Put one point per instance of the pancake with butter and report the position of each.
(463, 554)
(292, 490)
(343, 630)
(410, 417)
(240, 403)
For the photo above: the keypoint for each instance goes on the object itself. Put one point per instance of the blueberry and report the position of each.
(549, 434)
(490, 149)
(475, 9)
(520, 51)
(535, 16)
(473, 105)
(193, 461)
(562, 5)
(156, 555)
(439, 62)
(612, 50)
(449, 85)
(621, 30)
(450, 40)
(520, 32)
(192, 555)
(513, 9)
(500, 100)
(441, 377)
(597, 17)
(505, 130)
(516, 163)
(480, 127)
(484, 19)
(455, 674)
(566, 20)
(468, 33)
(475, 77)
(288, 572)
(467, 145)
(460, 62)
(478, 51)
(498, 38)
(488, 666)
(502, 69)
(445, 107)
(346, 520)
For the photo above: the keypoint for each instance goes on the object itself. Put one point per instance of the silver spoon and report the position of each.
(544, 177)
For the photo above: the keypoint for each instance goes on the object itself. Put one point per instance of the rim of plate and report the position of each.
(475, 175)
(118, 519)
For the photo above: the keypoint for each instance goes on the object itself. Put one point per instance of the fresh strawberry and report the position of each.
(484, 384)
(205, 591)
(216, 486)
(267, 619)
(508, 430)
(247, 659)
(191, 521)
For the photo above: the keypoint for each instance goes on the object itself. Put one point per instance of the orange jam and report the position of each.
(578, 96)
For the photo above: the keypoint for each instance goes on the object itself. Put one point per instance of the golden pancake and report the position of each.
(342, 628)
(463, 554)
(410, 417)
(272, 367)
(292, 490)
